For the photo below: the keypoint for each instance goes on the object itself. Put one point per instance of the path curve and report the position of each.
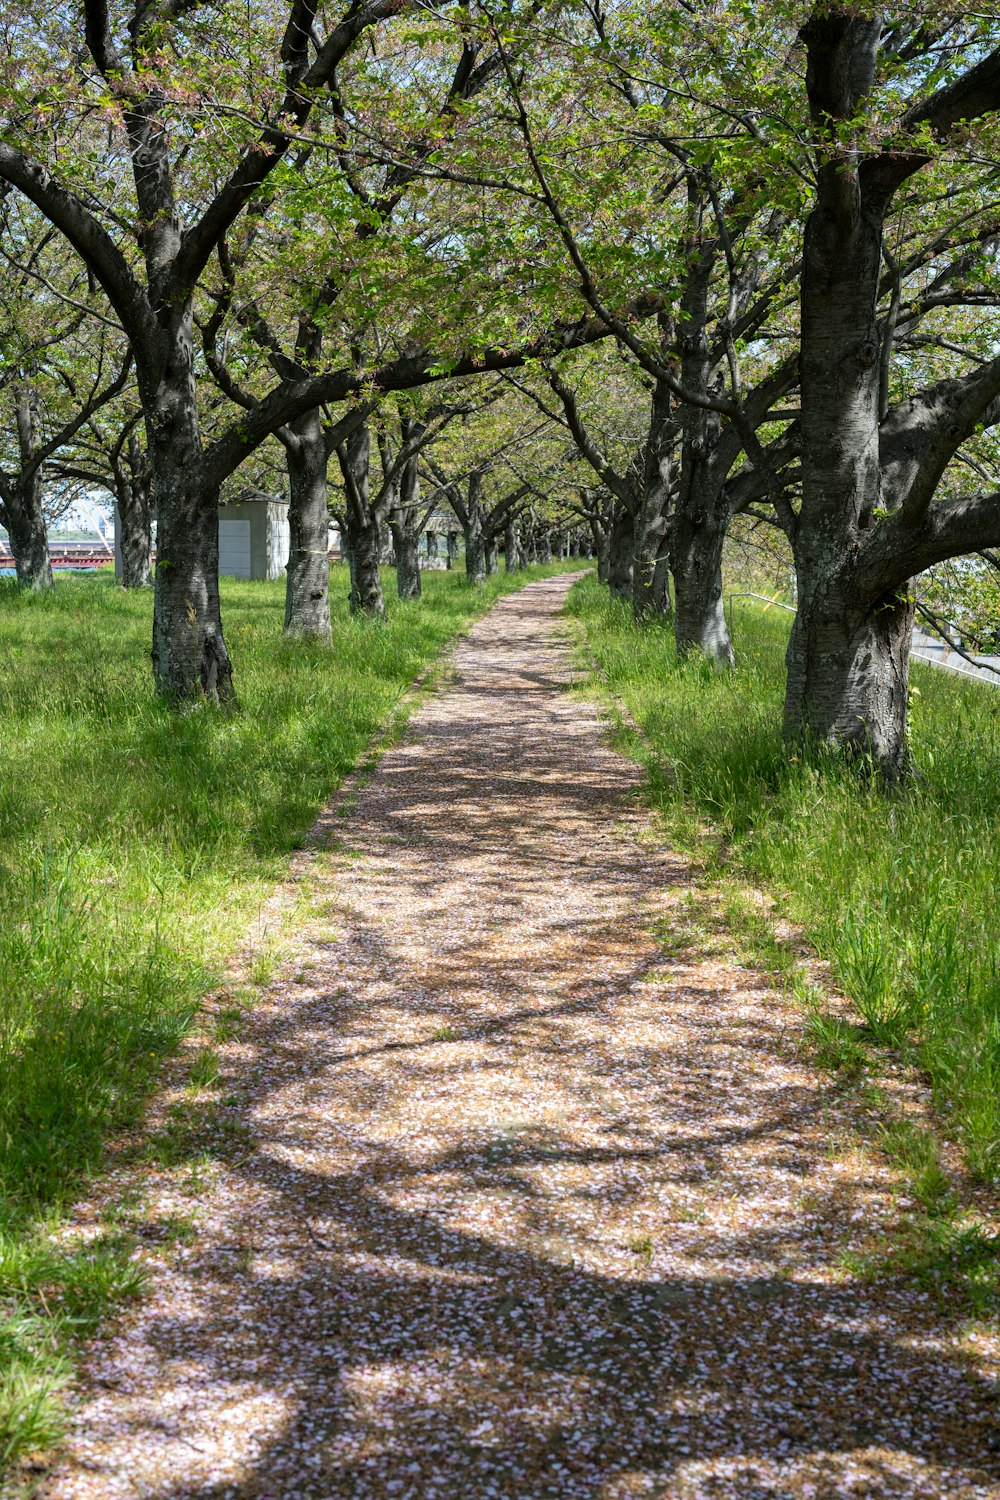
(533, 1206)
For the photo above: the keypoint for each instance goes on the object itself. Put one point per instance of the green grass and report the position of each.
(898, 893)
(135, 846)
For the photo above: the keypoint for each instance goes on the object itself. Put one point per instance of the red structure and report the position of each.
(64, 555)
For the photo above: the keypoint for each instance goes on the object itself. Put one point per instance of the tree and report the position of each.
(675, 208)
(150, 268)
(60, 365)
(873, 514)
(489, 468)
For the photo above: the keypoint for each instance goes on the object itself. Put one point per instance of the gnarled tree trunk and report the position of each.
(22, 497)
(134, 530)
(652, 519)
(512, 555)
(848, 673)
(364, 542)
(696, 544)
(29, 541)
(475, 550)
(190, 660)
(647, 591)
(620, 544)
(307, 579)
(406, 545)
(701, 515)
(849, 653)
(662, 603)
(602, 549)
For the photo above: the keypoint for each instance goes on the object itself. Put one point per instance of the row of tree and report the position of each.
(643, 268)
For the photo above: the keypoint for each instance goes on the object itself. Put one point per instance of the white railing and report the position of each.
(984, 669)
(763, 600)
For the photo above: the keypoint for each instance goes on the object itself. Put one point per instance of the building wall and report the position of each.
(253, 539)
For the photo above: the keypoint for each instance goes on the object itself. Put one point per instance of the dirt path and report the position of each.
(531, 1207)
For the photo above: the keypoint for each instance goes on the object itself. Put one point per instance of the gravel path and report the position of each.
(532, 1205)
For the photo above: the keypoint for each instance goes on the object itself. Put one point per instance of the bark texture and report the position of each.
(848, 657)
(512, 555)
(307, 579)
(21, 496)
(134, 499)
(190, 660)
(24, 520)
(408, 517)
(364, 541)
(621, 541)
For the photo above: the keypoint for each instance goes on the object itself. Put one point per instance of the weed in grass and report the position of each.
(837, 1045)
(956, 1259)
(444, 1034)
(204, 1071)
(31, 1414)
(262, 966)
(642, 1245)
(171, 1229)
(50, 1297)
(687, 1213)
(914, 1150)
(226, 1024)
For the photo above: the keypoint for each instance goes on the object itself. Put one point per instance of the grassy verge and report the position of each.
(135, 846)
(898, 894)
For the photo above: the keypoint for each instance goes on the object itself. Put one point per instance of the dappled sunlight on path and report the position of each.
(532, 1206)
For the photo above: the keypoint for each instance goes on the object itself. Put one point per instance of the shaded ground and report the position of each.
(530, 1207)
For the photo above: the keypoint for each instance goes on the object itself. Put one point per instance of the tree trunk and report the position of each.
(620, 545)
(848, 675)
(26, 530)
(23, 515)
(490, 556)
(647, 597)
(848, 658)
(307, 579)
(363, 534)
(134, 530)
(696, 543)
(406, 544)
(545, 545)
(366, 580)
(701, 514)
(601, 549)
(452, 549)
(190, 660)
(652, 521)
(345, 545)
(662, 604)
(512, 558)
(475, 551)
